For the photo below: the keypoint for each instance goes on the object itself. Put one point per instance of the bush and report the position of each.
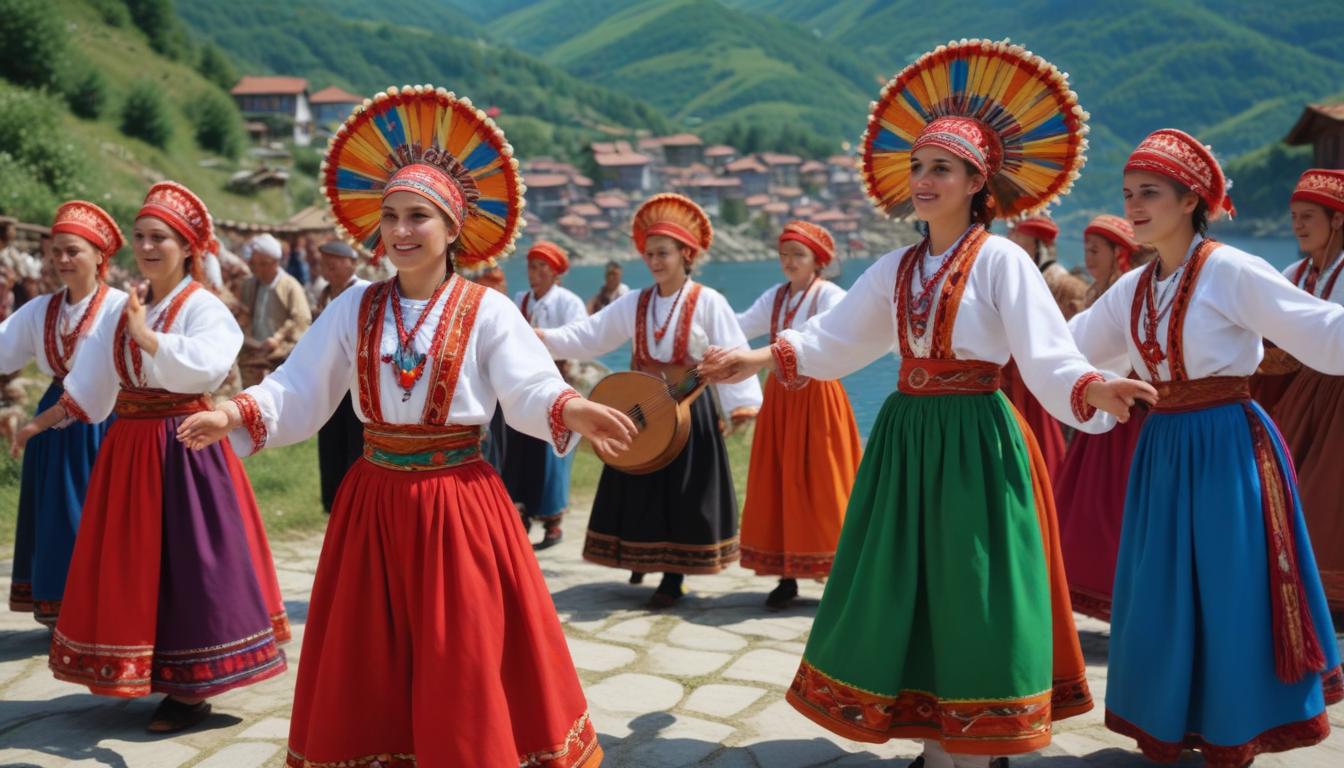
(219, 126)
(113, 12)
(157, 19)
(86, 93)
(38, 167)
(32, 36)
(307, 161)
(145, 115)
(216, 67)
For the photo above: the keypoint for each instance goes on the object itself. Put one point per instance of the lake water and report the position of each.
(742, 282)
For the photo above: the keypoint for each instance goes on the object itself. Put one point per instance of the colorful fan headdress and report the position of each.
(675, 216)
(1179, 156)
(816, 238)
(428, 141)
(1321, 186)
(78, 217)
(1005, 110)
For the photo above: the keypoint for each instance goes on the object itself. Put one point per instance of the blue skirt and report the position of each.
(1192, 652)
(535, 477)
(56, 467)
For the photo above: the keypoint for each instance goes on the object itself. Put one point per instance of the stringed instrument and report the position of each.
(660, 406)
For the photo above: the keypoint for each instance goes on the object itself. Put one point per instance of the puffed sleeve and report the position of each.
(1039, 340)
(1102, 330)
(595, 335)
(292, 403)
(1264, 301)
(21, 334)
(528, 385)
(756, 320)
(856, 331)
(198, 358)
(722, 330)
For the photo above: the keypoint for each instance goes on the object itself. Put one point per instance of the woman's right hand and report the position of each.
(201, 430)
(729, 366)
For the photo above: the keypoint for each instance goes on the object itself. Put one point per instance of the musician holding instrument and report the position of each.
(806, 448)
(672, 509)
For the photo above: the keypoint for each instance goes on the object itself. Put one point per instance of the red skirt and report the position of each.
(1311, 417)
(1049, 435)
(171, 586)
(432, 640)
(803, 460)
(1090, 499)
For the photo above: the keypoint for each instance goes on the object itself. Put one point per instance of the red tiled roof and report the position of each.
(774, 158)
(585, 209)
(681, 140)
(813, 166)
(745, 165)
(571, 221)
(720, 150)
(756, 201)
(251, 85)
(611, 201)
(546, 180)
(334, 95)
(612, 159)
(776, 207)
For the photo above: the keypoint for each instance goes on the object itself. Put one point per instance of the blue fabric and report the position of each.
(535, 477)
(56, 468)
(1192, 649)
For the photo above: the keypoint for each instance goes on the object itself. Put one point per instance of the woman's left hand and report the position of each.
(1117, 396)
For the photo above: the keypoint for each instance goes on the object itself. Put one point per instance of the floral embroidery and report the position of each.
(251, 415)
(1078, 399)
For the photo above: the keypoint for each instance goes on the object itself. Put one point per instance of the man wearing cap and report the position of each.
(275, 311)
(538, 480)
(340, 442)
(611, 290)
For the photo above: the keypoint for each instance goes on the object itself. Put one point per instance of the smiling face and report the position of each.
(75, 259)
(1158, 211)
(797, 261)
(160, 252)
(666, 259)
(941, 185)
(1314, 224)
(415, 233)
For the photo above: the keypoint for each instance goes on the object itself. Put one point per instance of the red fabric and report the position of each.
(259, 547)
(431, 632)
(1311, 417)
(112, 593)
(550, 253)
(816, 238)
(1090, 499)
(433, 184)
(92, 223)
(1321, 186)
(1047, 431)
(1179, 156)
(1039, 227)
(965, 137)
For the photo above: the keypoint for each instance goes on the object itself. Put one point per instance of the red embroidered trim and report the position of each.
(932, 376)
(21, 596)
(781, 294)
(72, 408)
(683, 339)
(60, 348)
(1078, 399)
(456, 323)
(959, 266)
(251, 414)
(1303, 733)
(560, 433)
(640, 357)
(122, 339)
(372, 305)
(786, 365)
(790, 565)
(1332, 686)
(47, 612)
(1175, 353)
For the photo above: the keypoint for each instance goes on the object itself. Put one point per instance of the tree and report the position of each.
(216, 67)
(86, 93)
(157, 19)
(32, 36)
(145, 115)
(219, 126)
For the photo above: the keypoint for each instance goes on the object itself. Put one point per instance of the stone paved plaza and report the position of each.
(700, 685)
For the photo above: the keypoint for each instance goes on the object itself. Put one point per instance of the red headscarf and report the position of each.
(78, 217)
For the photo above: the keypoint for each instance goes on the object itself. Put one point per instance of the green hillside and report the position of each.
(366, 47)
(104, 164)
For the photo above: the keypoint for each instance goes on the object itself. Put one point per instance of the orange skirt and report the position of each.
(803, 461)
(1049, 436)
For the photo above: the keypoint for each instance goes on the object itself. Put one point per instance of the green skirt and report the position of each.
(942, 615)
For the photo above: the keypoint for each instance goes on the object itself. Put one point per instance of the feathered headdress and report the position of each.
(675, 216)
(1005, 110)
(428, 141)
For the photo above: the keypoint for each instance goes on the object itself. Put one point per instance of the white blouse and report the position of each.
(1322, 282)
(1238, 298)
(1006, 311)
(194, 356)
(822, 295)
(560, 306)
(23, 334)
(713, 323)
(503, 362)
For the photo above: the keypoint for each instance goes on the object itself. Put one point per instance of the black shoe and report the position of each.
(172, 715)
(553, 536)
(669, 591)
(782, 596)
(918, 763)
(636, 577)
(999, 762)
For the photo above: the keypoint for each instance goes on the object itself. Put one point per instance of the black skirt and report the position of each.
(495, 441)
(680, 519)
(340, 443)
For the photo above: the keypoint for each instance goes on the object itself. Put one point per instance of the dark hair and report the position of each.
(982, 203)
(614, 264)
(1199, 218)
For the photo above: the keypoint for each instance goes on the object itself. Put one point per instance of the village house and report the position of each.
(332, 105)
(287, 97)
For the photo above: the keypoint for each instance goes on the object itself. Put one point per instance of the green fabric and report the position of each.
(939, 583)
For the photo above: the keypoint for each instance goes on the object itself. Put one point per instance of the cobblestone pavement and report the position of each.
(700, 685)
